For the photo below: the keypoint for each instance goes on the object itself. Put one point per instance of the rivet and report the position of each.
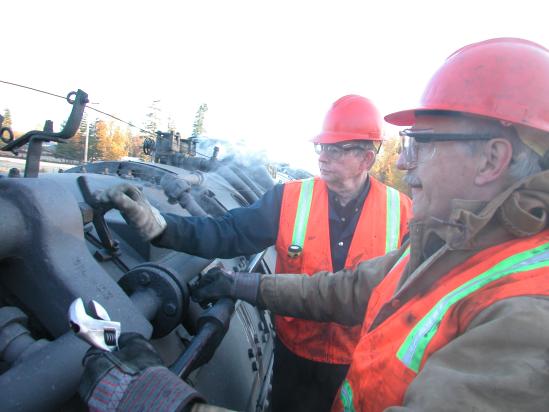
(144, 279)
(170, 309)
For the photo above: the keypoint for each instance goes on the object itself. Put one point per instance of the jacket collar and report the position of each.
(519, 211)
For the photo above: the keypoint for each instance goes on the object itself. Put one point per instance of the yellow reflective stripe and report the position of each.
(392, 228)
(412, 350)
(346, 397)
(302, 213)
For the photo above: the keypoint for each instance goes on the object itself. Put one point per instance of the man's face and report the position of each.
(338, 165)
(444, 170)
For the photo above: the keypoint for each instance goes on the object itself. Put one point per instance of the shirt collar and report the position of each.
(354, 204)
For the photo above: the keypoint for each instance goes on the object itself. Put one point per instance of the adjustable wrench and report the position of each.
(98, 329)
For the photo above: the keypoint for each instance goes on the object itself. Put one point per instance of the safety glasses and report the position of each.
(337, 150)
(416, 144)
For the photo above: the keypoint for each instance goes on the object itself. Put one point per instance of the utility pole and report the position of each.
(86, 144)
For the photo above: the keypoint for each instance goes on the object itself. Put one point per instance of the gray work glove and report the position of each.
(133, 378)
(218, 283)
(135, 209)
(174, 188)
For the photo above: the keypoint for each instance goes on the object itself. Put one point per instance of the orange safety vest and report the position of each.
(304, 222)
(388, 358)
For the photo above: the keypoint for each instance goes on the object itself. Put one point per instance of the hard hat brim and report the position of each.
(402, 118)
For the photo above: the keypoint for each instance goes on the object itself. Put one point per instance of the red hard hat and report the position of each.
(351, 117)
(505, 79)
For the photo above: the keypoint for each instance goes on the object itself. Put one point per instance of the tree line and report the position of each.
(108, 141)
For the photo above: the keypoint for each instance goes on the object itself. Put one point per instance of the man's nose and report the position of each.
(403, 163)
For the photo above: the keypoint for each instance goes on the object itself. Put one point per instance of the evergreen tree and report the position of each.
(198, 125)
(93, 153)
(153, 119)
(7, 118)
(171, 124)
(151, 126)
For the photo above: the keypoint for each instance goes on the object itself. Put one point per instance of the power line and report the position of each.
(32, 88)
(123, 121)
(89, 107)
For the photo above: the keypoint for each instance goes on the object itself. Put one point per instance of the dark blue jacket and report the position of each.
(249, 230)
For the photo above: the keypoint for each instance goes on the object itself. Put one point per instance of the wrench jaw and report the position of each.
(99, 331)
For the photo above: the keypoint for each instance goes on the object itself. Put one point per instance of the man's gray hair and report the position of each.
(524, 161)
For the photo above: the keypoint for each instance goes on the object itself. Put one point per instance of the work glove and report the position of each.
(135, 209)
(218, 283)
(174, 188)
(133, 378)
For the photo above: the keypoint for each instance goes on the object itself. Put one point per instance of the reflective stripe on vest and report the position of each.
(411, 352)
(346, 396)
(393, 220)
(392, 230)
(302, 213)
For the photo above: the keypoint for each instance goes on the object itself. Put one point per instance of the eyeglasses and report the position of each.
(336, 151)
(414, 141)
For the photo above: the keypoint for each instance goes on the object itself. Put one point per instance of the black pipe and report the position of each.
(251, 184)
(212, 327)
(187, 202)
(46, 378)
(210, 204)
(239, 185)
(262, 177)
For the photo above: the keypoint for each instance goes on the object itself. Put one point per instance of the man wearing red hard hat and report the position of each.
(456, 319)
(329, 223)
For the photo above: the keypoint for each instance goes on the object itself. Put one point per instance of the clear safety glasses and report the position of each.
(337, 150)
(418, 144)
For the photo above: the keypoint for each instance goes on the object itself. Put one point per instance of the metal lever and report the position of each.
(99, 211)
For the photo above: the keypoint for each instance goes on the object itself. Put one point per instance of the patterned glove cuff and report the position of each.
(109, 391)
(246, 286)
(158, 389)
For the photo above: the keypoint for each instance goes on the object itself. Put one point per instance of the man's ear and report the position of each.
(494, 161)
(369, 159)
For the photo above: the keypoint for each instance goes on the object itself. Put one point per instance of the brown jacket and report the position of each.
(501, 362)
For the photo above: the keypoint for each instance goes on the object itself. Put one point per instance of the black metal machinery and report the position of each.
(56, 245)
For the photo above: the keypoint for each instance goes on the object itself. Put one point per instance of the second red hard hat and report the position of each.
(351, 117)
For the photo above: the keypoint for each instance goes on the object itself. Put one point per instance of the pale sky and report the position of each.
(268, 70)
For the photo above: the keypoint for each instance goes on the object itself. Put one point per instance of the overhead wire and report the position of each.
(32, 88)
(89, 107)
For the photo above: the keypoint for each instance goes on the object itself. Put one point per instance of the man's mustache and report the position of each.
(411, 180)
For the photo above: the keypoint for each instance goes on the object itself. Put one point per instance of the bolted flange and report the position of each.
(169, 297)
